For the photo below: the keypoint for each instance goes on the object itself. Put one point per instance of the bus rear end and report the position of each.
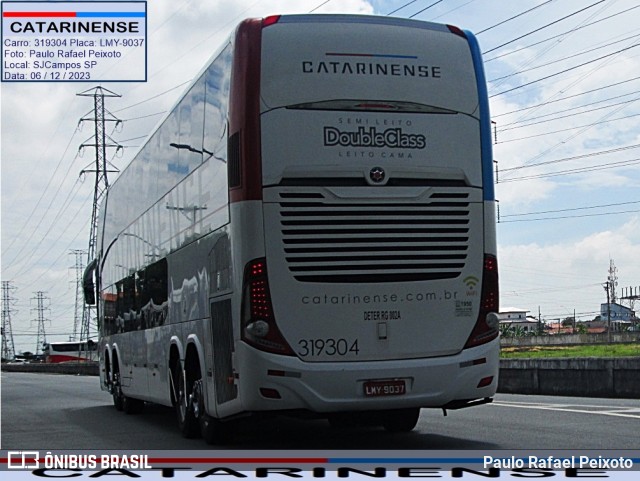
(372, 284)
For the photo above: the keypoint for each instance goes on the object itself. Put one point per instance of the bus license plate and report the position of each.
(384, 388)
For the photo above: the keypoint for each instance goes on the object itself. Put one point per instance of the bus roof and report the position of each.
(368, 19)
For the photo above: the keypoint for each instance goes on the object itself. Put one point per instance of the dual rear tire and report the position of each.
(193, 420)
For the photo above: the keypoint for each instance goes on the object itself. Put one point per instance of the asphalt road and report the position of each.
(55, 412)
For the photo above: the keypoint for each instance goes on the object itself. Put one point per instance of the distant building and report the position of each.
(512, 313)
(618, 312)
(512, 317)
(622, 317)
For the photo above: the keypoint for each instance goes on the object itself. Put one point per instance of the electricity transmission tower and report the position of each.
(8, 348)
(79, 306)
(100, 141)
(42, 336)
(631, 294)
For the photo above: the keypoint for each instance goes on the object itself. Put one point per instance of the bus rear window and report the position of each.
(372, 106)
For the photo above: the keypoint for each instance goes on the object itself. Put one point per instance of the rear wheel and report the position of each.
(185, 407)
(401, 420)
(120, 400)
(212, 430)
(116, 391)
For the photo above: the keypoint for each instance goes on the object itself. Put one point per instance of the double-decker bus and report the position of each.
(70, 351)
(311, 229)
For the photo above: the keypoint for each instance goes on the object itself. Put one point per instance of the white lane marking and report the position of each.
(559, 407)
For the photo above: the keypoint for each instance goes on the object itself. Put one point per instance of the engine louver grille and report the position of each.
(329, 240)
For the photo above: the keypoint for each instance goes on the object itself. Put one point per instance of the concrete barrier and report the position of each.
(569, 339)
(80, 368)
(588, 377)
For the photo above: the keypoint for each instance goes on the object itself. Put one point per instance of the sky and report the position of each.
(564, 86)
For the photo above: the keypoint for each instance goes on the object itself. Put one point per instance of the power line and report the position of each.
(580, 170)
(513, 18)
(62, 231)
(155, 96)
(134, 138)
(530, 107)
(582, 129)
(581, 79)
(564, 59)
(565, 70)
(145, 116)
(426, 8)
(452, 10)
(68, 246)
(587, 126)
(55, 222)
(400, 8)
(573, 209)
(321, 5)
(575, 157)
(559, 35)
(546, 50)
(529, 122)
(570, 216)
(30, 216)
(543, 27)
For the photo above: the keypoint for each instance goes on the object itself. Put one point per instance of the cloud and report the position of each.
(569, 274)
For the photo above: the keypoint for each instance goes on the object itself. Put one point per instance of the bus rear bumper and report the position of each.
(285, 383)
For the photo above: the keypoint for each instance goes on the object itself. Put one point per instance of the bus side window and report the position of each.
(88, 284)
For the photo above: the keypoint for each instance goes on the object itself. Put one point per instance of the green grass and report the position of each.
(590, 350)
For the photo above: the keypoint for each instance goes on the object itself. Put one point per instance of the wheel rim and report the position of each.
(116, 390)
(196, 398)
(182, 402)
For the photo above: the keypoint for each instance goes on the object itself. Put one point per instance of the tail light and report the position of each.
(486, 328)
(271, 20)
(458, 31)
(259, 327)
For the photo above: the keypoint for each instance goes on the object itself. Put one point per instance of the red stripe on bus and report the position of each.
(244, 111)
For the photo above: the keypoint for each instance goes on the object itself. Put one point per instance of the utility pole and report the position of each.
(539, 322)
(79, 307)
(42, 336)
(100, 141)
(8, 348)
(607, 287)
